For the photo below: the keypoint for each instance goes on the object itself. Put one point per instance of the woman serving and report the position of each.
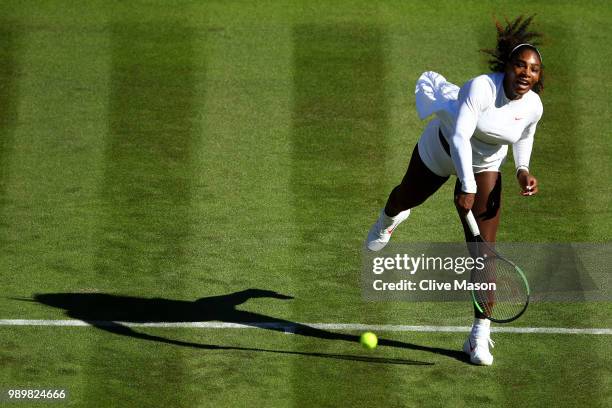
(469, 137)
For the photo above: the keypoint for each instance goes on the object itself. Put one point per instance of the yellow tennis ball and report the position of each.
(369, 340)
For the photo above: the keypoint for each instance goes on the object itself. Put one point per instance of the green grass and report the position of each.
(206, 148)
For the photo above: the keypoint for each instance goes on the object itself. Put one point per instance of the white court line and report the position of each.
(296, 326)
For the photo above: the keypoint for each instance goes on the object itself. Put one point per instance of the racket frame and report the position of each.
(473, 226)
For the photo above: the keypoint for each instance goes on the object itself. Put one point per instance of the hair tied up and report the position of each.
(510, 37)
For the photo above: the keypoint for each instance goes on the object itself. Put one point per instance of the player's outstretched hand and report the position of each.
(528, 183)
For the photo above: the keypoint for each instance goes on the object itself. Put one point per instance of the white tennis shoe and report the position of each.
(381, 231)
(478, 349)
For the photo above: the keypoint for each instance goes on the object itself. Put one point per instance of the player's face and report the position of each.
(522, 73)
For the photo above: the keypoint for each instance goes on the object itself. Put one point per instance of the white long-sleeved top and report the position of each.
(480, 121)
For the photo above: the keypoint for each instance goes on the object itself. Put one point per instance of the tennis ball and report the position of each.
(369, 340)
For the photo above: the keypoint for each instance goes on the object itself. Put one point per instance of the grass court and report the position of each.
(156, 153)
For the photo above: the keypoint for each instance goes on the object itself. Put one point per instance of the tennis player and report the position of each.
(469, 137)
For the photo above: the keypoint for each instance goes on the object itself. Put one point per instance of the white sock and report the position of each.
(389, 221)
(481, 328)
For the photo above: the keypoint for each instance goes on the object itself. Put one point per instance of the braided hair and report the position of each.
(512, 39)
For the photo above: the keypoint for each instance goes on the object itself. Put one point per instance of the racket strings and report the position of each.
(503, 293)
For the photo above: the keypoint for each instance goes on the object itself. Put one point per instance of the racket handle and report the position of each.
(472, 224)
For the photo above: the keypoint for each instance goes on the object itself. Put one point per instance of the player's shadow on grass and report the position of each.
(114, 314)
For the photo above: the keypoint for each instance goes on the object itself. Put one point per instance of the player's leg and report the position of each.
(487, 205)
(487, 211)
(418, 184)
(430, 166)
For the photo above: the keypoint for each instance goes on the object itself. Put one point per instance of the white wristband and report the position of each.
(519, 168)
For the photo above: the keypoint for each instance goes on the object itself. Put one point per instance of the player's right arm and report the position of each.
(474, 98)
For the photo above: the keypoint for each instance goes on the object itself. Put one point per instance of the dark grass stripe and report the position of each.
(557, 145)
(148, 167)
(556, 215)
(552, 216)
(556, 160)
(10, 36)
(146, 193)
(9, 47)
(562, 217)
(557, 154)
(338, 151)
(338, 138)
(558, 212)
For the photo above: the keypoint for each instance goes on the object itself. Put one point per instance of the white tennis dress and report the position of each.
(478, 121)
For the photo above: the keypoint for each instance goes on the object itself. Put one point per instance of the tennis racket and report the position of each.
(507, 299)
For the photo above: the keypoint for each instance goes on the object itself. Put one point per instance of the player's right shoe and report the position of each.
(478, 349)
(381, 231)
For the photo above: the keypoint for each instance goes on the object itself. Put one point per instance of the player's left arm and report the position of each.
(522, 154)
(527, 182)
